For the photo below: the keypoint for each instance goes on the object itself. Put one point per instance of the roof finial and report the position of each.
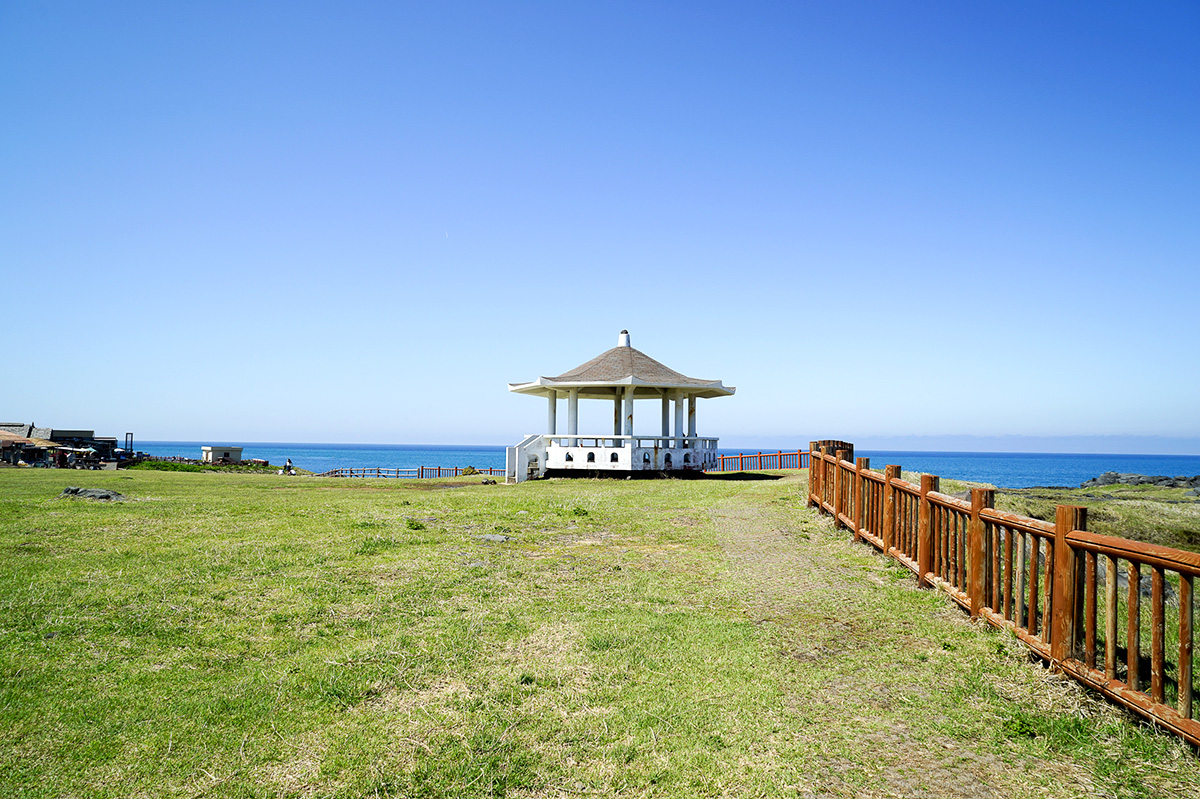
(623, 339)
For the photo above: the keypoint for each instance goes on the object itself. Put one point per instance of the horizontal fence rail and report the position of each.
(416, 473)
(620, 441)
(1117, 615)
(750, 461)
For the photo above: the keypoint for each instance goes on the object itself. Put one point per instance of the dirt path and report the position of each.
(834, 606)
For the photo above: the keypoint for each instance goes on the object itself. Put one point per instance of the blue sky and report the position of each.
(944, 225)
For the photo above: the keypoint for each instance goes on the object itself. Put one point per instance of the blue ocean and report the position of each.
(323, 457)
(1029, 469)
(1003, 469)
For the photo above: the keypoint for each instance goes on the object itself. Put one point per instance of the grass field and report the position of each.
(249, 635)
(1166, 516)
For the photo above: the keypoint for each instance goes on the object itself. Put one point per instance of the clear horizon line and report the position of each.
(944, 443)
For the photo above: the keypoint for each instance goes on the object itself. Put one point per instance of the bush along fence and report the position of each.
(1080, 600)
(418, 472)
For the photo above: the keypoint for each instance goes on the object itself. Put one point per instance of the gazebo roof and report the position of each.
(619, 367)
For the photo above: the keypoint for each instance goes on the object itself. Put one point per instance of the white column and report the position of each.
(617, 413)
(552, 413)
(573, 416)
(679, 396)
(692, 417)
(666, 414)
(629, 410)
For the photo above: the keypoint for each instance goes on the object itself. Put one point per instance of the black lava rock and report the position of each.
(106, 494)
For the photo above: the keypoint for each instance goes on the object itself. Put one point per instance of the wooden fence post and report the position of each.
(839, 488)
(888, 535)
(812, 473)
(929, 482)
(822, 478)
(859, 495)
(1157, 635)
(821, 500)
(1185, 644)
(1067, 594)
(976, 542)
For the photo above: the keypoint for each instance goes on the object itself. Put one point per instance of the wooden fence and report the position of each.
(1076, 598)
(749, 461)
(417, 473)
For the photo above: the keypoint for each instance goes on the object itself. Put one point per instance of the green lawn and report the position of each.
(254, 635)
(1165, 516)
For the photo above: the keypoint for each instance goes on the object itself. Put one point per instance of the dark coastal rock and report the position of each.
(92, 493)
(1158, 480)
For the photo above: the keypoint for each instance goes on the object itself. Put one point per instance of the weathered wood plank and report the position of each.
(1185, 645)
(1110, 618)
(1134, 628)
(1089, 610)
(1149, 554)
(1157, 634)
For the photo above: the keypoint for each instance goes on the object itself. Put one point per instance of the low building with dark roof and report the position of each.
(102, 447)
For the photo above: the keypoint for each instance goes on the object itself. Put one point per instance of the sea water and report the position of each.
(323, 457)
(1002, 469)
(1028, 469)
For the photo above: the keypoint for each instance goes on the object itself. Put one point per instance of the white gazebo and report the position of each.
(619, 376)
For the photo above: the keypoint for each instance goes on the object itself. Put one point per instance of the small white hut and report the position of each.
(216, 454)
(619, 376)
